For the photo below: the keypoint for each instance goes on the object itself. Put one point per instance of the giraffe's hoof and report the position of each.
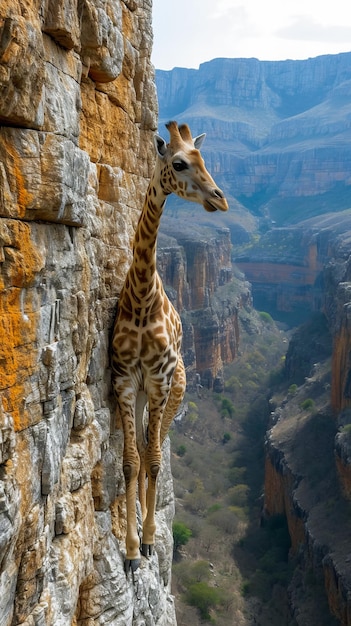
(147, 549)
(131, 565)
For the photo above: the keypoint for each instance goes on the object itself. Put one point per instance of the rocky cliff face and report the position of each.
(290, 268)
(195, 266)
(77, 112)
(308, 447)
(302, 482)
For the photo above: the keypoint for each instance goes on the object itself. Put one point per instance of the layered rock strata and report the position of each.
(277, 131)
(195, 266)
(289, 267)
(308, 448)
(302, 483)
(77, 112)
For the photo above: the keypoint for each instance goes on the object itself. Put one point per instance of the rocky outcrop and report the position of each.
(308, 451)
(277, 131)
(293, 269)
(338, 306)
(195, 266)
(301, 483)
(343, 453)
(77, 113)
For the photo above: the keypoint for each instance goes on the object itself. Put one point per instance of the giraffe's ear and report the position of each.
(198, 141)
(160, 146)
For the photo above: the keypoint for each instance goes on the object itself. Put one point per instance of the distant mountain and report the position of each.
(278, 133)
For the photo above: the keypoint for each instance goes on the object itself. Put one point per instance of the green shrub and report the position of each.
(198, 498)
(215, 507)
(227, 408)
(203, 597)
(239, 511)
(292, 389)
(226, 437)
(238, 495)
(225, 405)
(181, 450)
(187, 573)
(236, 475)
(193, 412)
(307, 404)
(200, 571)
(245, 588)
(226, 519)
(265, 317)
(346, 429)
(181, 534)
(193, 406)
(233, 385)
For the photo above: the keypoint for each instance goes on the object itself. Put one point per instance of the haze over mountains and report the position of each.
(278, 133)
(278, 143)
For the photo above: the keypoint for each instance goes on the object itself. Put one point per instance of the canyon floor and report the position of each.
(243, 565)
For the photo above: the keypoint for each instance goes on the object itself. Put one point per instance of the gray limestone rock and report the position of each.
(71, 189)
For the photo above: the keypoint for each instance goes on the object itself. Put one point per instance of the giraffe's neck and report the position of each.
(143, 269)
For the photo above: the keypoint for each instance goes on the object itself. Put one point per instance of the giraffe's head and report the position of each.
(183, 171)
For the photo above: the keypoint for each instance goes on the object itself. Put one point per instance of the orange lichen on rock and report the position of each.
(18, 321)
(128, 24)
(18, 358)
(104, 126)
(17, 180)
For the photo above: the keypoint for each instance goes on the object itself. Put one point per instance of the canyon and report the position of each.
(278, 140)
(277, 132)
(288, 265)
(78, 111)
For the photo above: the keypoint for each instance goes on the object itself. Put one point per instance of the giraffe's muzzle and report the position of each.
(215, 201)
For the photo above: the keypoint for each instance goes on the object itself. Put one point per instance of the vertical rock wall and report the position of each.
(308, 452)
(195, 267)
(77, 111)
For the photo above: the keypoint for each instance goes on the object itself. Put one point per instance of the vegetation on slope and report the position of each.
(231, 565)
(218, 479)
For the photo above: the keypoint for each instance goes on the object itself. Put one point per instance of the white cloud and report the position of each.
(190, 32)
(306, 28)
(225, 9)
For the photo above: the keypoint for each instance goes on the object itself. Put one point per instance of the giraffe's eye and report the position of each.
(180, 165)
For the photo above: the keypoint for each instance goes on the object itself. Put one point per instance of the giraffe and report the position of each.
(147, 365)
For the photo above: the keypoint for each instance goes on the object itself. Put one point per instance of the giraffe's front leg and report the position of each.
(152, 465)
(131, 468)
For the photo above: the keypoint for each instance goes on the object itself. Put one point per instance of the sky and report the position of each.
(190, 32)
